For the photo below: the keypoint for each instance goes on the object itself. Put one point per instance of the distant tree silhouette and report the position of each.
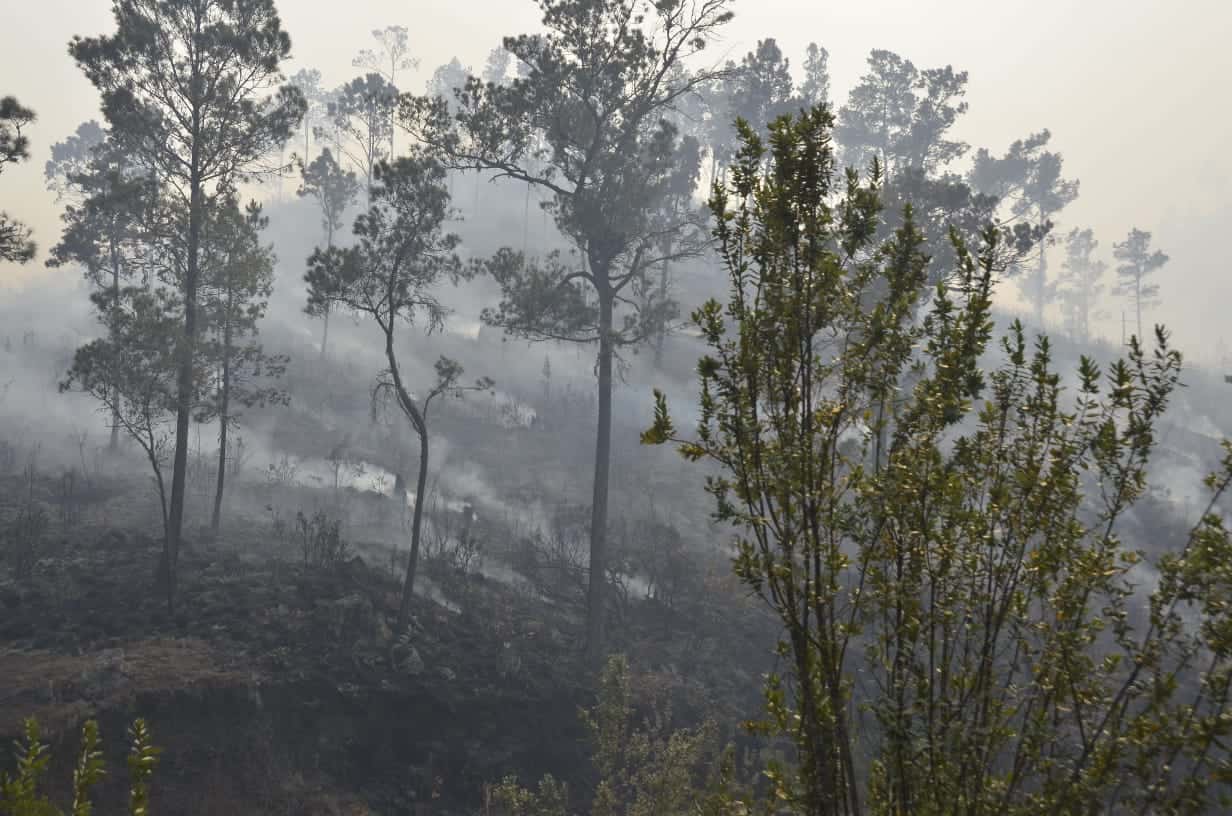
(1079, 286)
(334, 191)
(1029, 178)
(389, 59)
(1135, 265)
(814, 86)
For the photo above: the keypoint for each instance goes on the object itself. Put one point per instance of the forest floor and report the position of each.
(277, 687)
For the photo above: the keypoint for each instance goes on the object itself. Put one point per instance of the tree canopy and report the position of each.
(15, 243)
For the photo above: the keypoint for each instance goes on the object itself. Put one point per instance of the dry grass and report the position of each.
(60, 690)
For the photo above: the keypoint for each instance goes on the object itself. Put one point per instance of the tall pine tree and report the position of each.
(190, 90)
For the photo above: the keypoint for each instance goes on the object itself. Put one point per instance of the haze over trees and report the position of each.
(334, 191)
(389, 59)
(757, 89)
(1029, 178)
(1079, 287)
(361, 113)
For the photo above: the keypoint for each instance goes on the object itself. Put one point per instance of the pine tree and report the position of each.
(1030, 178)
(758, 89)
(814, 88)
(1079, 286)
(1136, 263)
(237, 279)
(334, 192)
(402, 253)
(15, 243)
(107, 230)
(388, 59)
(586, 123)
(184, 86)
(362, 110)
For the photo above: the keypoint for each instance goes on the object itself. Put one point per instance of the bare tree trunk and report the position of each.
(526, 220)
(115, 309)
(421, 484)
(325, 332)
(603, 455)
(1041, 274)
(184, 380)
(421, 427)
(1138, 302)
(661, 333)
(114, 443)
(224, 419)
(150, 446)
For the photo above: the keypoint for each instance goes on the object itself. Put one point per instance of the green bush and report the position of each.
(644, 767)
(21, 794)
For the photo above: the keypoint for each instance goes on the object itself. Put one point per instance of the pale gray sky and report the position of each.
(1137, 93)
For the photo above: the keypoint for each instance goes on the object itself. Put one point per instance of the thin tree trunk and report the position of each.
(325, 331)
(184, 384)
(114, 442)
(115, 312)
(420, 424)
(393, 113)
(661, 335)
(603, 455)
(1040, 280)
(162, 488)
(526, 220)
(224, 418)
(408, 585)
(1138, 302)
(329, 244)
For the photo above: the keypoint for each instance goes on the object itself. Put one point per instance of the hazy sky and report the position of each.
(1137, 94)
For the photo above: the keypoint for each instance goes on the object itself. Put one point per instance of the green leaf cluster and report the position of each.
(937, 521)
(21, 794)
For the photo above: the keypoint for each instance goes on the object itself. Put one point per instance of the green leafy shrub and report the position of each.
(21, 794)
(965, 627)
(645, 767)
